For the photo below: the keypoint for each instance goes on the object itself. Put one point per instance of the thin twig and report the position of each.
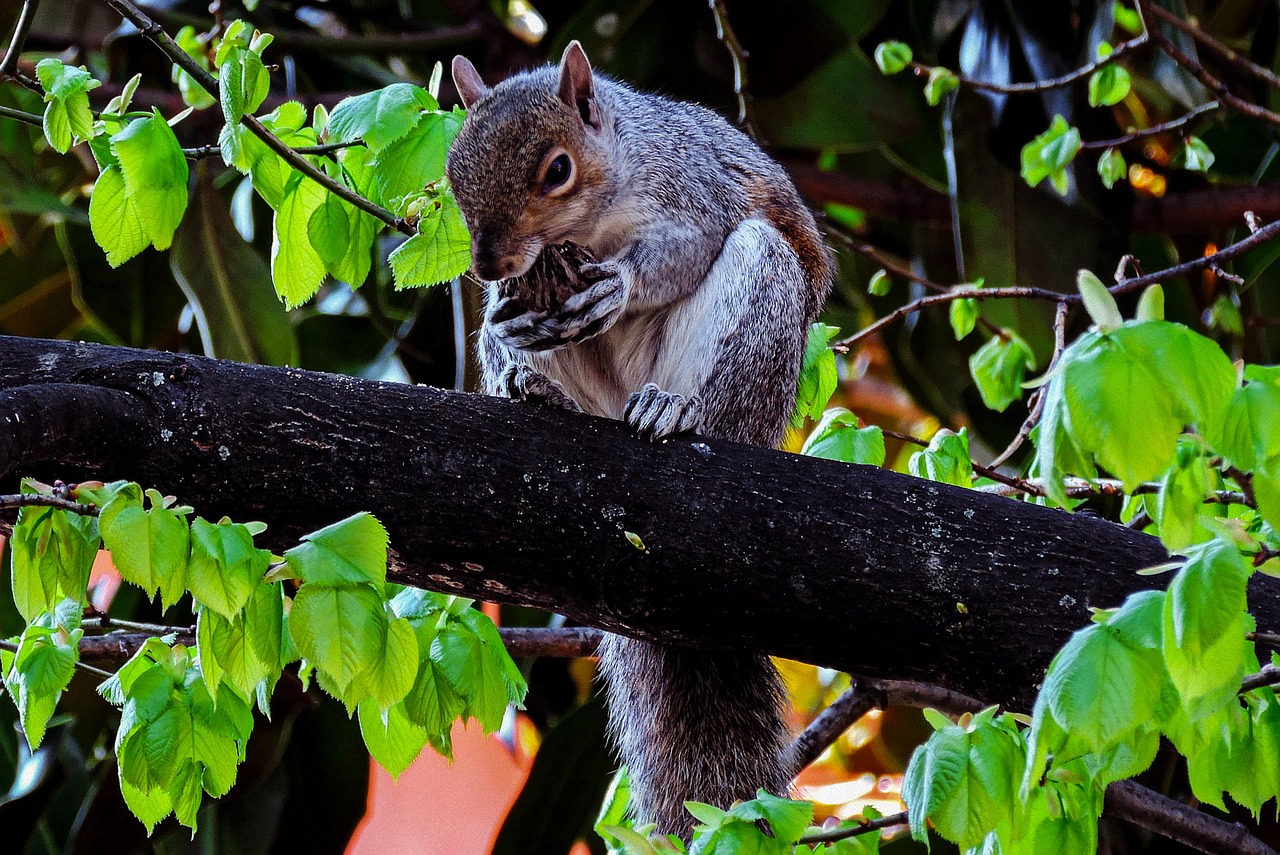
(1080, 488)
(1240, 63)
(1154, 130)
(44, 500)
(864, 826)
(1037, 408)
(1218, 87)
(1122, 49)
(1270, 639)
(21, 116)
(738, 56)
(203, 151)
(106, 621)
(838, 717)
(10, 63)
(1268, 676)
(154, 33)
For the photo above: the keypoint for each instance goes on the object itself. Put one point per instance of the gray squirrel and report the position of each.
(694, 319)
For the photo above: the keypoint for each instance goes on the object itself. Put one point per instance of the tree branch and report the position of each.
(527, 505)
(1162, 815)
(9, 64)
(155, 33)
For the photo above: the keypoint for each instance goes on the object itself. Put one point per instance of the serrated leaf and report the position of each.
(225, 566)
(296, 267)
(348, 552)
(1048, 155)
(381, 117)
(998, 369)
(52, 553)
(67, 117)
(414, 161)
(946, 459)
(115, 218)
(338, 629)
(155, 175)
(473, 674)
(818, 378)
(149, 548)
(392, 739)
(439, 251)
(838, 437)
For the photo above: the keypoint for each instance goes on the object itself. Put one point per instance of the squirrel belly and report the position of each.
(693, 316)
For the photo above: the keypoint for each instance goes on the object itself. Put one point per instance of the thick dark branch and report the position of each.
(10, 62)
(1160, 814)
(891, 576)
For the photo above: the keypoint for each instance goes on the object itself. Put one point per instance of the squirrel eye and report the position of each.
(558, 172)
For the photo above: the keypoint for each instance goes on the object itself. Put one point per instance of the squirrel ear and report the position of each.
(470, 87)
(577, 88)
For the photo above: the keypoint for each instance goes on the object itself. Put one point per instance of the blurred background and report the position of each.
(931, 194)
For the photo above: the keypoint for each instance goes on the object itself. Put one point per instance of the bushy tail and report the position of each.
(693, 725)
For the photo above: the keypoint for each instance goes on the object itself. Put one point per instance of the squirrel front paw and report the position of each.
(654, 413)
(583, 315)
(522, 383)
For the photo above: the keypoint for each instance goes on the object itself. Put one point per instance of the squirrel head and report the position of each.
(529, 166)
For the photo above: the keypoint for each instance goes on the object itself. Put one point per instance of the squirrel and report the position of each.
(694, 318)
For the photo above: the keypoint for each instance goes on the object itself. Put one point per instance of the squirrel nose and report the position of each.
(488, 265)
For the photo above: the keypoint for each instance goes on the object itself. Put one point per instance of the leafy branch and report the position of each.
(1123, 286)
(157, 36)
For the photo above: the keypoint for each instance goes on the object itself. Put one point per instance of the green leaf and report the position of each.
(941, 81)
(946, 459)
(964, 316)
(1098, 302)
(414, 161)
(193, 94)
(67, 118)
(1195, 156)
(392, 739)
(1111, 167)
(880, 284)
(393, 670)
(329, 231)
(338, 629)
(296, 267)
(1179, 505)
(1108, 86)
(787, 819)
(1151, 304)
(149, 548)
(349, 552)
(1100, 688)
(892, 57)
(52, 552)
(379, 118)
(225, 566)
(439, 251)
(1048, 155)
(148, 806)
(243, 83)
(961, 781)
(818, 377)
(116, 219)
(837, 437)
(155, 175)
(1250, 435)
(42, 669)
(1205, 671)
(998, 369)
(472, 672)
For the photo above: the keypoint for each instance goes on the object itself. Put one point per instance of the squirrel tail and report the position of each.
(693, 725)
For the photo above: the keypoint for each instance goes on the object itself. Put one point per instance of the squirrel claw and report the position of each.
(655, 414)
(522, 383)
(585, 314)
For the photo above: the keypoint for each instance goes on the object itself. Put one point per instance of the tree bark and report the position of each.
(850, 567)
